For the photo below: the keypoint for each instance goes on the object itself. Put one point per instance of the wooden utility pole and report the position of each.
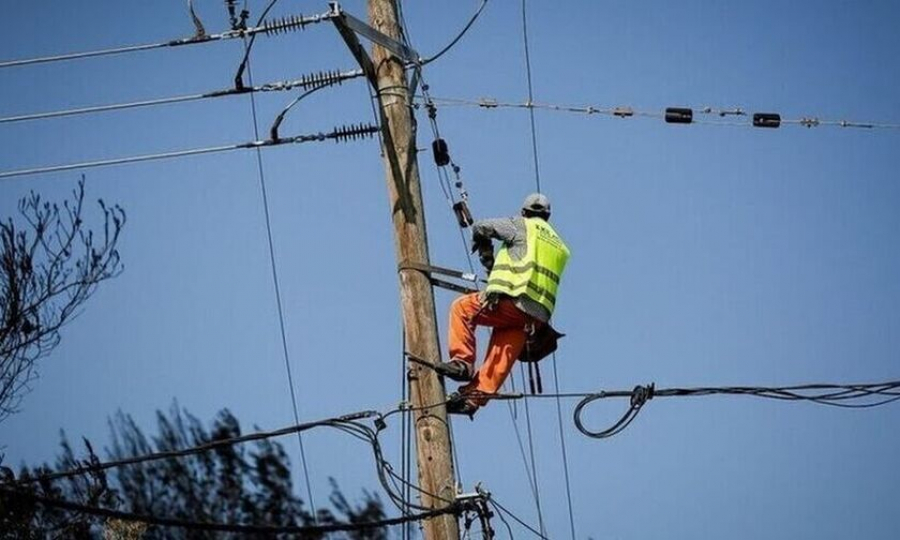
(435, 462)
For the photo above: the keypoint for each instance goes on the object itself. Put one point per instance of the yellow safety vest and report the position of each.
(537, 274)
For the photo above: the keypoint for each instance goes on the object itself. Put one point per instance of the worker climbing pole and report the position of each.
(517, 304)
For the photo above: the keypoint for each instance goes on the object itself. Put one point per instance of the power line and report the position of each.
(534, 148)
(308, 81)
(224, 527)
(323, 83)
(199, 449)
(850, 396)
(629, 112)
(348, 424)
(271, 244)
(458, 36)
(245, 61)
(502, 510)
(268, 27)
(864, 395)
(534, 473)
(537, 181)
(565, 454)
(340, 134)
(857, 396)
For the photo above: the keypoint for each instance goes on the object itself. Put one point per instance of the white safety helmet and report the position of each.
(537, 203)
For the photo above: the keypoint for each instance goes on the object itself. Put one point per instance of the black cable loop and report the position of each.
(639, 396)
(457, 38)
(833, 395)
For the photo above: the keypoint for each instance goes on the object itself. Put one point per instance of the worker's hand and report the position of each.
(487, 259)
(480, 244)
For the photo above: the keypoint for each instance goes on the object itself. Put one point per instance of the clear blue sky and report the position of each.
(702, 255)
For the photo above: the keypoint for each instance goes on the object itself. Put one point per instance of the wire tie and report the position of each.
(488, 103)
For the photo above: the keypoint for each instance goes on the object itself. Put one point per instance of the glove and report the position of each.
(486, 256)
(487, 260)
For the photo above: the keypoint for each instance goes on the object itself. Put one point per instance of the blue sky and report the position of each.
(702, 255)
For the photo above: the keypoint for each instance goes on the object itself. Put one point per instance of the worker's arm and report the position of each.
(510, 231)
(506, 230)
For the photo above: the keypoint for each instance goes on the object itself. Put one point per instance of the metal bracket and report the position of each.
(353, 24)
(356, 48)
(349, 26)
(428, 270)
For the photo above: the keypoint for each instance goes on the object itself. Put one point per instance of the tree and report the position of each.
(48, 268)
(237, 484)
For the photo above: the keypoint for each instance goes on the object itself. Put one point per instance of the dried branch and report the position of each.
(48, 269)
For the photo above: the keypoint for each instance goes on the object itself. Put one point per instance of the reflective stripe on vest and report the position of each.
(537, 274)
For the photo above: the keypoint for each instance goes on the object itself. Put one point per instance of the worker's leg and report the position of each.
(507, 341)
(505, 347)
(461, 334)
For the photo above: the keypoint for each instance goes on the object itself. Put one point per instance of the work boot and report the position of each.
(455, 369)
(458, 404)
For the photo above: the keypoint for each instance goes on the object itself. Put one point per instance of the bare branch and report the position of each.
(48, 269)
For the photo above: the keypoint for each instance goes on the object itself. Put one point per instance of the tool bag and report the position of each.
(540, 343)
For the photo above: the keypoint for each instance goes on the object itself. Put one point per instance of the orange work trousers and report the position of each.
(507, 339)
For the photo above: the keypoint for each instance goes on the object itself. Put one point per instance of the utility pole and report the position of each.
(435, 462)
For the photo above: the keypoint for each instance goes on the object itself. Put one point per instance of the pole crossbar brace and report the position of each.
(349, 26)
(428, 270)
(344, 19)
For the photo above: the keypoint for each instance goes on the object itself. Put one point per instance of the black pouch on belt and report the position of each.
(541, 342)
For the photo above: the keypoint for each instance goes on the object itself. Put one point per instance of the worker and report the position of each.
(518, 301)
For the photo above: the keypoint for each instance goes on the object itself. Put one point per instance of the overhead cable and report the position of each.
(277, 289)
(857, 396)
(349, 424)
(61, 504)
(503, 510)
(850, 396)
(340, 134)
(273, 27)
(248, 45)
(312, 80)
(671, 114)
(199, 449)
(537, 180)
(458, 36)
(322, 82)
